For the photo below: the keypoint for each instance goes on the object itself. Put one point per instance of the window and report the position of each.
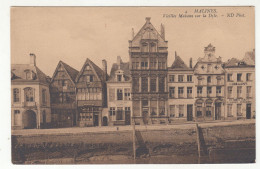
(229, 110)
(161, 84)
(89, 78)
(199, 109)
(248, 92)
(172, 110)
(144, 84)
(144, 103)
(239, 112)
(144, 65)
(111, 94)
(248, 76)
(137, 65)
(153, 84)
(172, 92)
(153, 47)
(229, 77)
(144, 47)
(159, 65)
(171, 78)
(189, 78)
(44, 96)
(181, 110)
(127, 94)
(218, 91)
(208, 109)
(29, 94)
(112, 113)
(119, 94)
(180, 92)
(119, 78)
(87, 67)
(229, 91)
(180, 78)
(239, 91)
(119, 113)
(135, 84)
(199, 91)
(189, 92)
(16, 95)
(209, 90)
(209, 68)
(17, 118)
(209, 79)
(239, 77)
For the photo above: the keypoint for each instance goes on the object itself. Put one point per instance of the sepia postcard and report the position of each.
(133, 85)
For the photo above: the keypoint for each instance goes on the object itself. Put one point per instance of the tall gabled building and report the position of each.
(209, 78)
(63, 96)
(148, 66)
(91, 93)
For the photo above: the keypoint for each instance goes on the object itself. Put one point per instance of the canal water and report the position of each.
(215, 156)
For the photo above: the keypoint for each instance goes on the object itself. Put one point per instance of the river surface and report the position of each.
(214, 157)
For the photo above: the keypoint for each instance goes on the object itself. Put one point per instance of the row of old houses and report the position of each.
(144, 90)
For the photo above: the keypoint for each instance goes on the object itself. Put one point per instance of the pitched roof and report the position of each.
(179, 64)
(100, 73)
(71, 71)
(232, 62)
(18, 73)
(124, 67)
(148, 31)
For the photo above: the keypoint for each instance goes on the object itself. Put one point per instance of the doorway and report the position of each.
(127, 117)
(104, 121)
(145, 117)
(189, 112)
(248, 111)
(29, 119)
(217, 111)
(95, 120)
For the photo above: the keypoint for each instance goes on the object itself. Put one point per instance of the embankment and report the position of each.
(168, 141)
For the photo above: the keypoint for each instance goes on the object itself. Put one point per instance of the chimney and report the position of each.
(104, 66)
(190, 62)
(32, 59)
(163, 31)
(133, 33)
(118, 61)
(148, 19)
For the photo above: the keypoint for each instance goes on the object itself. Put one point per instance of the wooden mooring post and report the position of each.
(134, 149)
(198, 139)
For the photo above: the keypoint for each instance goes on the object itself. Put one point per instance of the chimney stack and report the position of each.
(133, 33)
(104, 65)
(148, 19)
(190, 62)
(119, 61)
(32, 59)
(163, 31)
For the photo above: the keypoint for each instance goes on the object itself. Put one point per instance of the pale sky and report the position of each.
(72, 34)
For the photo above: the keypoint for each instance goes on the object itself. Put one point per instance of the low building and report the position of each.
(181, 91)
(240, 87)
(91, 93)
(119, 94)
(63, 96)
(30, 103)
(209, 78)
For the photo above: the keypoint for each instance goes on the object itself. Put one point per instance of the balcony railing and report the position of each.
(29, 104)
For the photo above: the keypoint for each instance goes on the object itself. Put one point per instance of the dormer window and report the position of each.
(119, 78)
(28, 75)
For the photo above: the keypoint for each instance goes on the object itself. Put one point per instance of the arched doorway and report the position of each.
(104, 121)
(29, 119)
